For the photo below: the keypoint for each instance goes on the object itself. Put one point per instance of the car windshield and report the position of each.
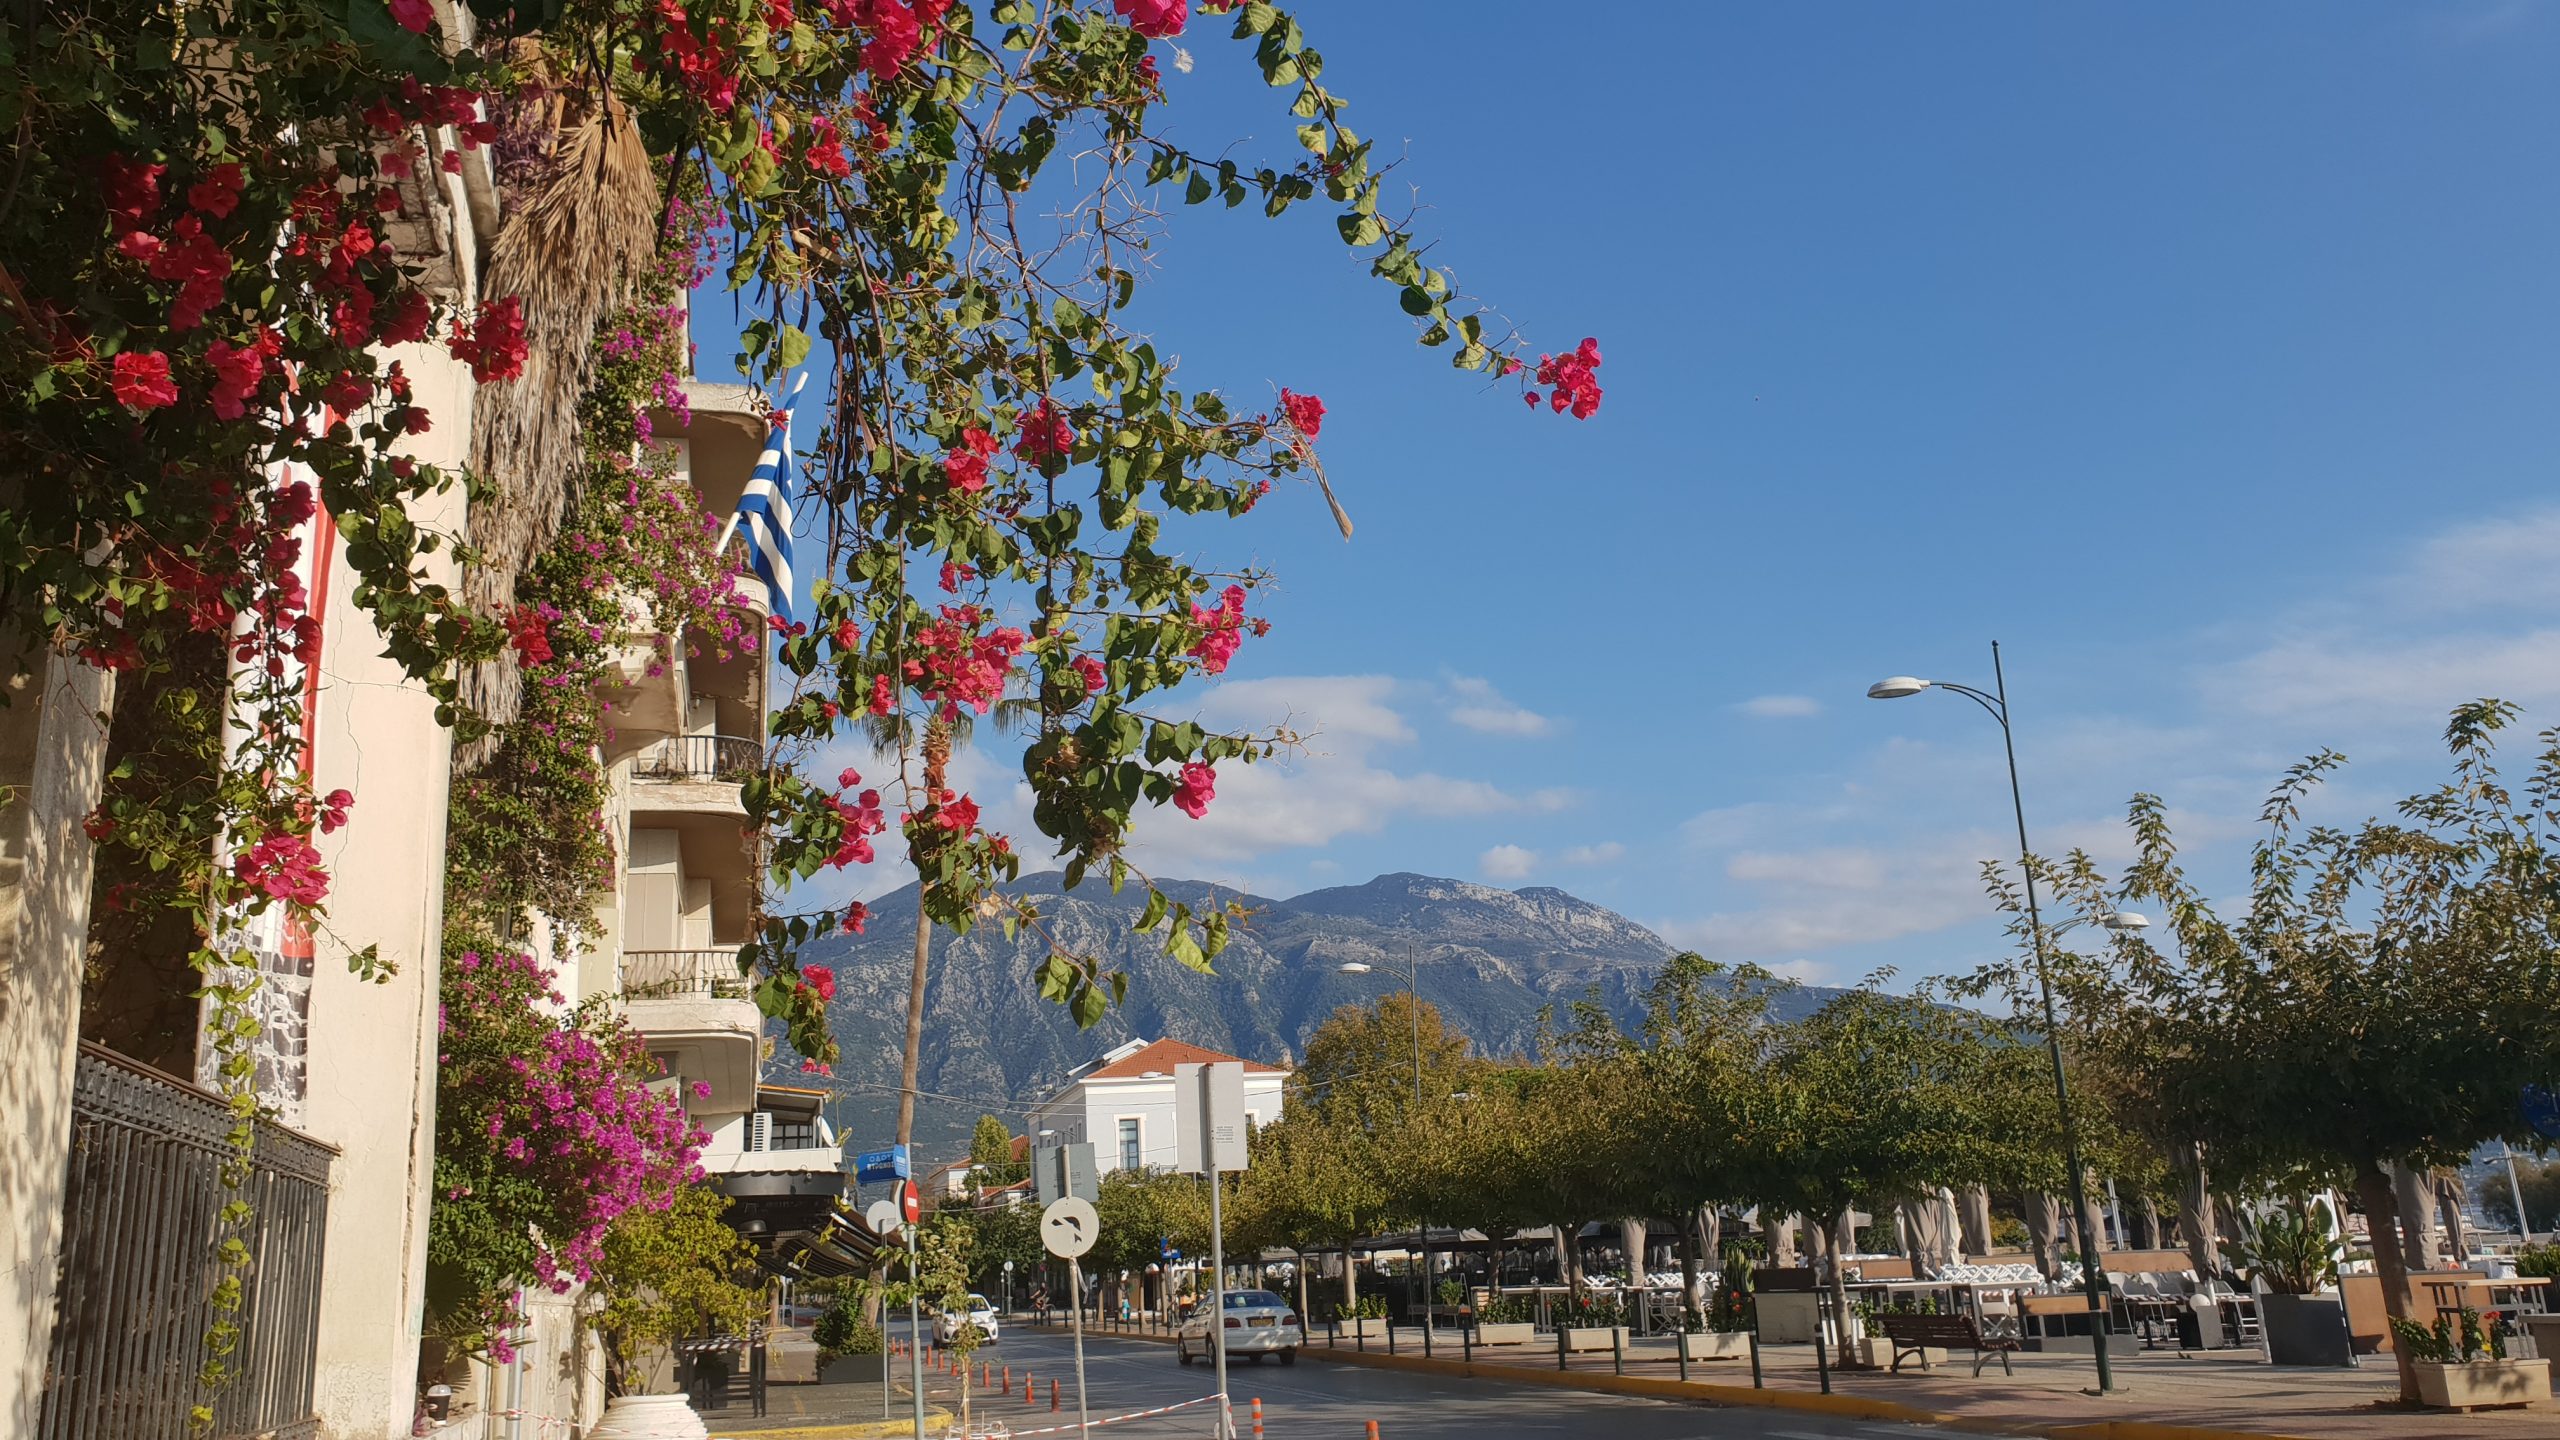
(1247, 1299)
(979, 1302)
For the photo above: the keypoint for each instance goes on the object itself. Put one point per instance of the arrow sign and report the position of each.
(1069, 1226)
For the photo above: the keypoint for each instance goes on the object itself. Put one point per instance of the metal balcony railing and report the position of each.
(682, 975)
(700, 757)
(141, 1226)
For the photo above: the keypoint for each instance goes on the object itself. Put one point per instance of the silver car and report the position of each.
(1256, 1322)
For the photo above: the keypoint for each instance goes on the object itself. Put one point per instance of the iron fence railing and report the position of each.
(682, 975)
(700, 757)
(141, 1241)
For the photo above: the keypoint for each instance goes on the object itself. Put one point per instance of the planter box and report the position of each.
(1507, 1332)
(1373, 1328)
(1594, 1337)
(2484, 1382)
(2545, 1330)
(850, 1370)
(1715, 1345)
(2306, 1330)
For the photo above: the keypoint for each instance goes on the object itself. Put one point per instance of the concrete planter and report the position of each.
(1594, 1337)
(2306, 1330)
(2484, 1382)
(2545, 1330)
(850, 1369)
(1715, 1345)
(1372, 1328)
(648, 1417)
(1507, 1332)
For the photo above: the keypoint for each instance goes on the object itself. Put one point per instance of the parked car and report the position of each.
(1256, 1322)
(980, 1316)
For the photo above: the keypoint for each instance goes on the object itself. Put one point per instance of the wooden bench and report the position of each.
(1916, 1334)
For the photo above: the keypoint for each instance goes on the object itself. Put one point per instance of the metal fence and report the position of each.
(682, 975)
(700, 757)
(140, 1259)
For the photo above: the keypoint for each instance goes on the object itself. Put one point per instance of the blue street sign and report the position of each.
(889, 1164)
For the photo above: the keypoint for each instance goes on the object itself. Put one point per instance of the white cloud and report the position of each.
(1605, 853)
(1507, 862)
(2359, 679)
(1780, 707)
(1476, 705)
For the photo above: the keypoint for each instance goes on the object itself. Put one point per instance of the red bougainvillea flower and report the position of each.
(1090, 671)
(1220, 631)
(333, 811)
(967, 466)
(957, 812)
(284, 867)
(142, 382)
(1198, 787)
(1155, 19)
(1305, 411)
(415, 15)
(529, 631)
(218, 193)
(821, 979)
(236, 372)
(493, 344)
(856, 915)
(1570, 381)
(1045, 433)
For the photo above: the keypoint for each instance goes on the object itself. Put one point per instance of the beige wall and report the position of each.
(372, 1051)
(51, 749)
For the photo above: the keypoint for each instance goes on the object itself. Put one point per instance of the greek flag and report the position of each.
(764, 511)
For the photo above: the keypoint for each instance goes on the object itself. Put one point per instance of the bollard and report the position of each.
(1373, 1430)
(1561, 1363)
(1008, 1379)
(1617, 1350)
(1053, 1397)
(1391, 1335)
(1680, 1337)
(1257, 1417)
(1030, 1389)
(1755, 1350)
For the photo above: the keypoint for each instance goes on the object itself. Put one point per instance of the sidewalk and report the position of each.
(2163, 1395)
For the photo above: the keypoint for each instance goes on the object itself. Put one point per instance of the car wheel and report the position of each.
(1289, 1356)
(1255, 1357)
(1182, 1351)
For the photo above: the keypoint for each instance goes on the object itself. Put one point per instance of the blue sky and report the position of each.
(2201, 354)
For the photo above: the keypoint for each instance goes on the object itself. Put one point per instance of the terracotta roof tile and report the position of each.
(1165, 1054)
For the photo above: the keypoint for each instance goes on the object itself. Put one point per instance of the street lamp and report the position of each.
(1996, 705)
(1413, 1005)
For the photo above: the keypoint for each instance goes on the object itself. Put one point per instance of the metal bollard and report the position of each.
(1755, 1352)
(1680, 1337)
(1053, 1397)
(1560, 1360)
(1257, 1417)
(1391, 1335)
(1617, 1350)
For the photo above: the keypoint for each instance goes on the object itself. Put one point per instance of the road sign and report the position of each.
(1208, 1117)
(1058, 1171)
(882, 1217)
(889, 1164)
(2542, 1110)
(1068, 1226)
(910, 1202)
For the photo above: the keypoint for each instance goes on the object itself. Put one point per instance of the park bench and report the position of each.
(1917, 1334)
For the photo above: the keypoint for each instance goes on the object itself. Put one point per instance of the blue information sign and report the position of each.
(2542, 1110)
(889, 1164)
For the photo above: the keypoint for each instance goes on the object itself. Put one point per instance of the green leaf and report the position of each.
(795, 346)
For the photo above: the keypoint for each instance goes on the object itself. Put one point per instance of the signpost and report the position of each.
(910, 1209)
(1058, 1171)
(1068, 1227)
(882, 1217)
(889, 1164)
(1209, 1128)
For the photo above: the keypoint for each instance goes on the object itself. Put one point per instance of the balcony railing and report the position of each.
(682, 975)
(700, 757)
(141, 1226)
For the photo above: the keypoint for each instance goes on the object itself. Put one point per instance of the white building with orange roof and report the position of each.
(1123, 1105)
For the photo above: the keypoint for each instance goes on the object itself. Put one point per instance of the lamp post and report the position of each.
(1996, 704)
(1413, 1007)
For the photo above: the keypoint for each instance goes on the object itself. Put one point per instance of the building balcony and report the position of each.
(691, 1006)
(645, 691)
(723, 759)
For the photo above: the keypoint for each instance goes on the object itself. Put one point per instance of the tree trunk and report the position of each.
(1689, 1271)
(937, 760)
(1843, 1235)
(2150, 1223)
(2449, 1195)
(1631, 1240)
(1782, 1239)
(1350, 1279)
(2382, 1216)
(2409, 1194)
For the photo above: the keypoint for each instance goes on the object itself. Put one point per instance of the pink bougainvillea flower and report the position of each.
(141, 380)
(1198, 786)
(492, 344)
(1155, 19)
(821, 979)
(1045, 433)
(1570, 380)
(958, 812)
(1305, 411)
(1090, 671)
(218, 193)
(1220, 631)
(856, 915)
(414, 15)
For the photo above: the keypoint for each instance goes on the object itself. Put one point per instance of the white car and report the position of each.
(981, 1317)
(1257, 1323)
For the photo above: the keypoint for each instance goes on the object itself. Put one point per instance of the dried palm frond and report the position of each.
(572, 251)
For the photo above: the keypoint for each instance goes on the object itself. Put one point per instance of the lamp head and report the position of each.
(1894, 687)
(2126, 921)
(1354, 967)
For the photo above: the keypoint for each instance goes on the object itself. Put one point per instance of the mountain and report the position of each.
(1489, 961)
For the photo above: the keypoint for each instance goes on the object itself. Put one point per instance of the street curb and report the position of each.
(1851, 1406)
(935, 1419)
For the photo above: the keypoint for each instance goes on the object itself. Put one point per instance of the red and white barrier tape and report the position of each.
(1001, 1432)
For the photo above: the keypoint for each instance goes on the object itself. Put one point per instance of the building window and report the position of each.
(794, 1134)
(1130, 1156)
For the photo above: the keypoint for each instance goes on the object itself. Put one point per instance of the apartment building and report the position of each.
(1124, 1104)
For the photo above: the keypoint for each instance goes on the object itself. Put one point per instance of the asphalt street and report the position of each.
(1318, 1400)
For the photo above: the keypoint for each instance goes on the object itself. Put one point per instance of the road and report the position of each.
(1320, 1400)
